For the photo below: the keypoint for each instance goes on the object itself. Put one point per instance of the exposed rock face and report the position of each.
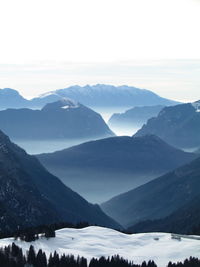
(178, 125)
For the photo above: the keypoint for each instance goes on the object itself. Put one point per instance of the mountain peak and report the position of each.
(64, 103)
(177, 125)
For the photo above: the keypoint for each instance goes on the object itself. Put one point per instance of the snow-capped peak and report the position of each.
(68, 103)
(196, 105)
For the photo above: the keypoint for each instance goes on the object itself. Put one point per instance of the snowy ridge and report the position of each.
(69, 103)
(48, 94)
(96, 241)
(90, 89)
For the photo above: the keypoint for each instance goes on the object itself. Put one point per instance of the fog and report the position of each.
(98, 186)
(106, 113)
(119, 131)
(46, 146)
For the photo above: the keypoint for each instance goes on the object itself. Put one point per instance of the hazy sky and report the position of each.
(49, 44)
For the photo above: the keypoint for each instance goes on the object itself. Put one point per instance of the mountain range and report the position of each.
(64, 119)
(99, 95)
(30, 195)
(103, 168)
(103, 95)
(178, 125)
(170, 199)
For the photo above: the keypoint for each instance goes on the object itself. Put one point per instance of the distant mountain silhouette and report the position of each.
(165, 196)
(103, 168)
(178, 125)
(61, 119)
(10, 98)
(133, 117)
(30, 195)
(100, 95)
(103, 95)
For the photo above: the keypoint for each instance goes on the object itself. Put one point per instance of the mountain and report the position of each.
(99, 95)
(58, 120)
(178, 125)
(103, 95)
(95, 242)
(133, 117)
(158, 198)
(183, 221)
(10, 98)
(103, 168)
(30, 195)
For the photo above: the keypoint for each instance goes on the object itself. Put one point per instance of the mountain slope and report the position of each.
(30, 195)
(103, 168)
(178, 125)
(183, 221)
(134, 117)
(58, 120)
(158, 198)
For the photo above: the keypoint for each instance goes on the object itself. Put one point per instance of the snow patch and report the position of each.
(70, 106)
(196, 105)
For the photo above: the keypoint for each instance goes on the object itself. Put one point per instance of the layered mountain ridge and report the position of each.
(134, 117)
(178, 125)
(99, 95)
(103, 168)
(158, 199)
(30, 195)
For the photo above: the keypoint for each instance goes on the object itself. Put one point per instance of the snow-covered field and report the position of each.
(98, 241)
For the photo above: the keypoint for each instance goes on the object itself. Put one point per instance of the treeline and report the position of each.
(48, 231)
(12, 256)
(191, 262)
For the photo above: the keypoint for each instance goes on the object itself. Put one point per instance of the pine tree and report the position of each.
(31, 259)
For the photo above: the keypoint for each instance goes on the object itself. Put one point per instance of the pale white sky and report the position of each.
(49, 44)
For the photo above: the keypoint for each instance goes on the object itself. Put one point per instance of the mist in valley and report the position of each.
(99, 186)
(34, 147)
(51, 145)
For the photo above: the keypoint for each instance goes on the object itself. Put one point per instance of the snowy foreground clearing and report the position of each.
(98, 241)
